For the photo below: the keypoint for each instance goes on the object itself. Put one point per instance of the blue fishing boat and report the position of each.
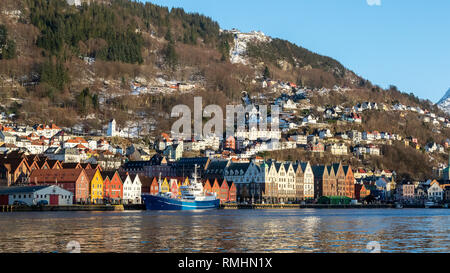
(192, 198)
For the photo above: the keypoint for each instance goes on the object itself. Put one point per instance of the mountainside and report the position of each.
(444, 103)
(108, 46)
(121, 59)
(80, 66)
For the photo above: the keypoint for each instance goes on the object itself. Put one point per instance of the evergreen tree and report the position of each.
(171, 55)
(54, 74)
(10, 50)
(7, 47)
(3, 35)
(266, 73)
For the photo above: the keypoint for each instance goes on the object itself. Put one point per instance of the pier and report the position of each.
(13, 208)
(305, 206)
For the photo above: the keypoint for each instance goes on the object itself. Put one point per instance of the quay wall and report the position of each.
(306, 206)
(12, 208)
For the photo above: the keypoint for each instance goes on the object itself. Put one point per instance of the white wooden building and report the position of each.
(33, 195)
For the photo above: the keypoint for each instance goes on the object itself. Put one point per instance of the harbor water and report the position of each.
(229, 231)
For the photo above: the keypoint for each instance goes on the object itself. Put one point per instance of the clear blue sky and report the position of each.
(401, 42)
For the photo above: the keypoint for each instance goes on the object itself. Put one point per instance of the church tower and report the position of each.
(112, 132)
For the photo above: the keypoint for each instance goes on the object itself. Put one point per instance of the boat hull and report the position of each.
(154, 202)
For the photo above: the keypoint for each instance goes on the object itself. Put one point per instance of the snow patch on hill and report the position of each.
(238, 53)
(444, 103)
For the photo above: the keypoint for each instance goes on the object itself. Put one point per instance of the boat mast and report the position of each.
(195, 173)
(159, 184)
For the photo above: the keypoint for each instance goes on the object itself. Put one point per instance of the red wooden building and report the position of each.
(224, 191)
(174, 187)
(232, 192)
(207, 187)
(112, 186)
(154, 188)
(216, 188)
(73, 180)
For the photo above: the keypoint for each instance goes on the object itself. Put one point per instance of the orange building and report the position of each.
(224, 192)
(231, 192)
(216, 188)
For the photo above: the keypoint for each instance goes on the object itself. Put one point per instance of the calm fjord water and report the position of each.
(279, 231)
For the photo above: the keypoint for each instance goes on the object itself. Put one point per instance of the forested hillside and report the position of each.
(53, 53)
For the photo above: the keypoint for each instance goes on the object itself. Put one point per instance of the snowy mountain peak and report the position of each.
(446, 96)
(444, 103)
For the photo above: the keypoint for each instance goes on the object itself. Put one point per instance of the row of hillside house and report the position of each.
(254, 133)
(35, 195)
(365, 106)
(366, 150)
(267, 182)
(254, 147)
(434, 147)
(333, 180)
(53, 142)
(352, 117)
(337, 149)
(211, 142)
(428, 116)
(369, 175)
(39, 130)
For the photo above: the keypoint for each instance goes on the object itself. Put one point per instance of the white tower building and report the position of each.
(112, 132)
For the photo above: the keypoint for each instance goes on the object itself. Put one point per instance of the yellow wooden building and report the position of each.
(96, 185)
(165, 187)
(186, 182)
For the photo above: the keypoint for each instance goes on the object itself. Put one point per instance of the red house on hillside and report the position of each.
(230, 143)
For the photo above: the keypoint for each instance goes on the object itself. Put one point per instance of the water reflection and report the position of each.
(280, 231)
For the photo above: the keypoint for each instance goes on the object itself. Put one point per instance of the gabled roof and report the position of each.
(91, 173)
(15, 190)
(146, 181)
(319, 171)
(66, 165)
(123, 176)
(216, 166)
(238, 166)
(55, 175)
(11, 164)
(108, 174)
(136, 164)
